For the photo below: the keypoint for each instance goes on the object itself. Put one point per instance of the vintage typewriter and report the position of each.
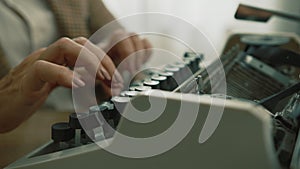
(260, 121)
(258, 128)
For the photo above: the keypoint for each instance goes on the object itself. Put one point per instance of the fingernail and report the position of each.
(106, 74)
(99, 74)
(74, 85)
(79, 82)
(119, 77)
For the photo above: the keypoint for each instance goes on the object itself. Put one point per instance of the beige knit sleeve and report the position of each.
(99, 15)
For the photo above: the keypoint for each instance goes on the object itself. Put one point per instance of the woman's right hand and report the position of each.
(30, 83)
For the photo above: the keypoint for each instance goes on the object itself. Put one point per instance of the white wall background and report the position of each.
(215, 18)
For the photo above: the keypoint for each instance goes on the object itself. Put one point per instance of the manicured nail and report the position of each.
(74, 85)
(99, 74)
(118, 77)
(78, 82)
(106, 74)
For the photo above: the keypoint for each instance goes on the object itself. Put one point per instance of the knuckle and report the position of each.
(133, 35)
(147, 43)
(62, 42)
(119, 35)
(128, 51)
(118, 32)
(62, 71)
(38, 66)
(81, 39)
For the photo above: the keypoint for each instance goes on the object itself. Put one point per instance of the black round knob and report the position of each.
(74, 118)
(62, 132)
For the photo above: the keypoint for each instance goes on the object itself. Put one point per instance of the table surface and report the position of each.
(30, 135)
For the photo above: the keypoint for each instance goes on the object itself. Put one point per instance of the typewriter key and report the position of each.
(151, 83)
(143, 88)
(162, 81)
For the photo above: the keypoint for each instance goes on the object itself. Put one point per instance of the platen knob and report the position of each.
(74, 120)
(61, 132)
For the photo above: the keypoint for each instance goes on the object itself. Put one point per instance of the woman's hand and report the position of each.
(128, 50)
(28, 85)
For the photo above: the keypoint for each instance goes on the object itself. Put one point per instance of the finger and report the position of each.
(81, 40)
(122, 46)
(107, 66)
(77, 82)
(83, 74)
(117, 77)
(148, 47)
(56, 75)
(105, 73)
(118, 36)
(127, 49)
(66, 52)
(117, 85)
(139, 50)
(109, 71)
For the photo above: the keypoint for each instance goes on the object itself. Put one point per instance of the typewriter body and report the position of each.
(258, 127)
(250, 134)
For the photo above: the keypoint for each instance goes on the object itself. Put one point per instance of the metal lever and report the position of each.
(270, 101)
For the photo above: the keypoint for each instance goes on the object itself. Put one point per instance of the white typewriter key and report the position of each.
(142, 88)
(152, 83)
